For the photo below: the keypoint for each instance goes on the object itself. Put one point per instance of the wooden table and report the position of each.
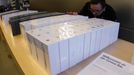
(19, 47)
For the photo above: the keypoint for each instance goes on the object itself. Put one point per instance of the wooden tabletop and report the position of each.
(19, 47)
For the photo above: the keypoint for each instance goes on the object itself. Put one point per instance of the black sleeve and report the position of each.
(84, 11)
(110, 14)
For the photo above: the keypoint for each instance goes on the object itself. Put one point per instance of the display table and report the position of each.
(18, 45)
(20, 50)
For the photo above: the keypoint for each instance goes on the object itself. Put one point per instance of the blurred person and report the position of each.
(97, 9)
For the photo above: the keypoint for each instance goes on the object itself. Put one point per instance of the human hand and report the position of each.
(72, 13)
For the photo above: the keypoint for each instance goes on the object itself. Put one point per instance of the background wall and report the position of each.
(57, 5)
(125, 12)
(3, 2)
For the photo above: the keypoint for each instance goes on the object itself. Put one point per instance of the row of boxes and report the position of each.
(6, 17)
(8, 12)
(15, 21)
(60, 46)
(33, 24)
(46, 21)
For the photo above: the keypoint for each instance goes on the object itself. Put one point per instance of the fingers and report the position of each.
(72, 13)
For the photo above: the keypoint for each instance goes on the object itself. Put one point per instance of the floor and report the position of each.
(8, 65)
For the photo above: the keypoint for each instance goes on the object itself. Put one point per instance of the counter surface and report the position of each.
(19, 47)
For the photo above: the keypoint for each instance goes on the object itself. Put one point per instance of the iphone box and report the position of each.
(8, 16)
(60, 46)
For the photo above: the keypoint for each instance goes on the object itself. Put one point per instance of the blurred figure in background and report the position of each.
(97, 9)
(2, 9)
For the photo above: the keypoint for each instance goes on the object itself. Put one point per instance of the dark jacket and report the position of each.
(108, 14)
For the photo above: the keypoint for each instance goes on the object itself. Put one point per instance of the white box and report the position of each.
(115, 32)
(63, 45)
(8, 12)
(36, 23)
(93, 43)
(58, 49)
(6, 17)
(50, 50)
(76, 46)
(40, 54)
(64, 55)
(98, 40)
(32, 46)
(109, 33)
(41, 22)
(87, 45)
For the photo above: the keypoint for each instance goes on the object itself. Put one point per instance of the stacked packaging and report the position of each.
(57, 47)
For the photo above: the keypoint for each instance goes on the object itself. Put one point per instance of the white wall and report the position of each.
(3, 2)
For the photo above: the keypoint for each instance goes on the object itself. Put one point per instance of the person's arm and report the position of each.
(85, 10)
(110, 14)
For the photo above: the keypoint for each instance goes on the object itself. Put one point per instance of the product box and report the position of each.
(32, 24)
(60, 46)
(15, 21)
(6, 17)
(8, 12)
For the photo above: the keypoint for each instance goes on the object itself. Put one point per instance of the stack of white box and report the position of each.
(8, 16)
(36, 23)
(41, 22)
(61, 46)
(8, 12)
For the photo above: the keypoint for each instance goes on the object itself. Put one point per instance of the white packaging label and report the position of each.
(108, 65)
